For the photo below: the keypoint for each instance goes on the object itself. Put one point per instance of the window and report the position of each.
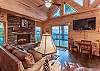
(68, 9)
(91, 1)
(37, 34)
(1, 33)
(57, 13)
(60, 35)
(80, 2)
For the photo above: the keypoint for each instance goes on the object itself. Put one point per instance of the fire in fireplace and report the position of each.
(23, 38)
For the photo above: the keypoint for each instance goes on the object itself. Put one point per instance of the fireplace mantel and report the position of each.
(23, 29)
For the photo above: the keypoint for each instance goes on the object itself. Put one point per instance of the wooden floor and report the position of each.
(82, 60)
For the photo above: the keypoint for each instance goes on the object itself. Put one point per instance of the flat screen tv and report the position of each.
(85, 24)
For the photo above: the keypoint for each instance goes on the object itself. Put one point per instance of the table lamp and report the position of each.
(47, 45)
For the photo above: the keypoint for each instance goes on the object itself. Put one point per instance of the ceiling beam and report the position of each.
(95, 3)
(86, 4)
(62, 8)
(52, 10)
(66, 16)
(74, 5)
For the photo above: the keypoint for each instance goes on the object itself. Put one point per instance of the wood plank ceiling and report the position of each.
(30, 7)
(50, 12)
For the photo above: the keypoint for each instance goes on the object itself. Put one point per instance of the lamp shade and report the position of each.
(47, 45)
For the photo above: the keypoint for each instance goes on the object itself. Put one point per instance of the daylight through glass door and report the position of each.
(60, 35)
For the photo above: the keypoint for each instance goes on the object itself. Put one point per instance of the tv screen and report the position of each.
(85, 24)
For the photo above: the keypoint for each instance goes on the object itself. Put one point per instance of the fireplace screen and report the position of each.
(23, 39)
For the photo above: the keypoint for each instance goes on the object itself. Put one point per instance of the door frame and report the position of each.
(59, 33)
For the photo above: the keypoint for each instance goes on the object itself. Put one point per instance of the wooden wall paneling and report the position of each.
(86, 4)
(93, 37)
(78, 35)
(98, 25)
(62, 8)
(95, 3)
(3, 18)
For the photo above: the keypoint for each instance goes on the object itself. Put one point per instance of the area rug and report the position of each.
(61, 49)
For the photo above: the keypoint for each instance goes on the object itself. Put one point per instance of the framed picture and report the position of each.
(24, 23)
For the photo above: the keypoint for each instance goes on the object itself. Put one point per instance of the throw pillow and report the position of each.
(37, 56)
(25, 57)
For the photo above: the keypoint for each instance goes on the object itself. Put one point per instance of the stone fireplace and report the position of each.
(20, 30)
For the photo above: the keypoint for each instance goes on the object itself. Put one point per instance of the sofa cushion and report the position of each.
(27, 46)
(70, 66)
(8, 62)
(37, 56)
(37, 66)
(10, 48)
(81, 69)
(25, 57)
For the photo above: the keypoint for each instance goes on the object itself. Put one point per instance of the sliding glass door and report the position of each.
(60, 35)
(1, 33)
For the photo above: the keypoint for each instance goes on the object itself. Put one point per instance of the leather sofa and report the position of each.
(9, 62)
